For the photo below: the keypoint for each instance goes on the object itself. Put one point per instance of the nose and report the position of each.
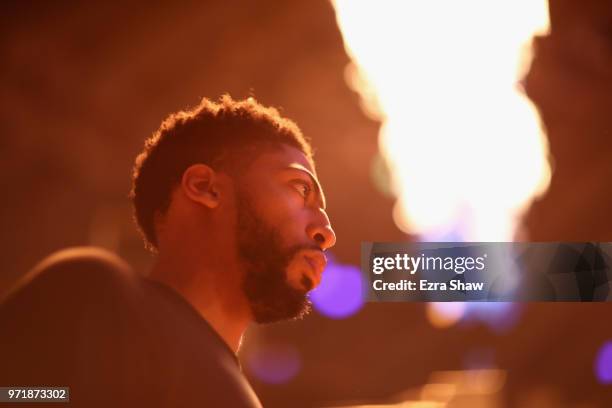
(322, 233)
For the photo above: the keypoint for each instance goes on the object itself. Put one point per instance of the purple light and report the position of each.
(499, 316)
(603, 363)
(340, 293)
(274, 364)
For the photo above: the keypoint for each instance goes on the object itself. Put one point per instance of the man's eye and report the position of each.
(303, 188)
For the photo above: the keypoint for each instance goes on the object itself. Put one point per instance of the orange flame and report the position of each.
(462, 141)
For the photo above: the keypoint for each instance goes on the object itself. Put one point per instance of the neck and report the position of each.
(214, 292)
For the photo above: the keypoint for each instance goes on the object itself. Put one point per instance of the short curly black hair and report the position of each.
(213, 133)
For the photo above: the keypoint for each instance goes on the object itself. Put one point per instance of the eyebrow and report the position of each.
(313, 179)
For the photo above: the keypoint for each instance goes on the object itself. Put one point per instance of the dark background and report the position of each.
(84, 84)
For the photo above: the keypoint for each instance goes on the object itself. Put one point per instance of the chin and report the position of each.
(279, 296)
(295, 309)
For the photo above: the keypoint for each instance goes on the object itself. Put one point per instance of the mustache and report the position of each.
(294, 249)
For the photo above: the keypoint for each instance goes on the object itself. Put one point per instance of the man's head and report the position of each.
(235, 181)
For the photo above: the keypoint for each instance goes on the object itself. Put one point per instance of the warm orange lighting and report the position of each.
(463, 142)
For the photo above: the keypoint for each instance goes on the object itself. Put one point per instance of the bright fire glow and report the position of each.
(462, 141)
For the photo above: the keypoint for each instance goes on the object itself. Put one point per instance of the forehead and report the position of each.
(282, 158)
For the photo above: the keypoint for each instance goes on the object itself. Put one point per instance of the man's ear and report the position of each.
(200, 184)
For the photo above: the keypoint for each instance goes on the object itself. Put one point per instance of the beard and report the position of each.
(271, 297)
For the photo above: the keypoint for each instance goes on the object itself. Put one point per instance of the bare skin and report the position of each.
(197, 242)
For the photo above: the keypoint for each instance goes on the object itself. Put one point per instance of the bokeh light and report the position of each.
(461, 140)
(444, 314)
(603, 363)
(341, 292)
(274, 363)
(500, 317)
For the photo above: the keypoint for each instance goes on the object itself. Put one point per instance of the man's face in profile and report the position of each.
(282, 232)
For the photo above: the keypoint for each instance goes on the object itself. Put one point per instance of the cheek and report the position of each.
(286, 213)
(292, 228)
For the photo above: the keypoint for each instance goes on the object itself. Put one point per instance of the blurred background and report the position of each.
(432, 120)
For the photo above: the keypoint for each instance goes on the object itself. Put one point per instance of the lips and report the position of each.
(317, 261)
